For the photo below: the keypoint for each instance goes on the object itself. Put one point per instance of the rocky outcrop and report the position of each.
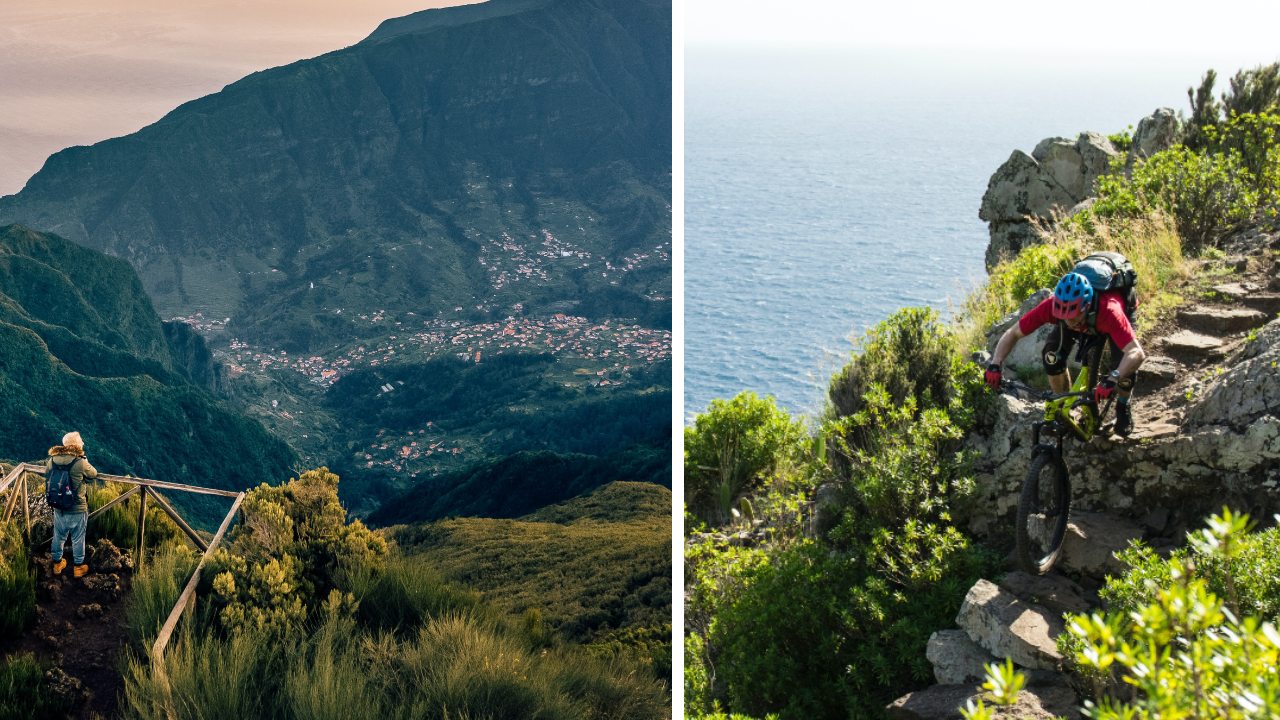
(957, 659)
(1158, 131)
(1059, 177)
(1030, 189)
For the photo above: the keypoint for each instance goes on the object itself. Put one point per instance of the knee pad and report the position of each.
(1055, 362)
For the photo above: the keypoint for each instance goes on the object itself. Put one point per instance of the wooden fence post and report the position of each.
(142, 530)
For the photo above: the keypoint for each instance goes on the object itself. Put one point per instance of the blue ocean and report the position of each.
(825, 191)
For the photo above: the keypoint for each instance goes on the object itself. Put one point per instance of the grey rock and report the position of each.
(1267, 303)
(1034, 189)
(1191, 347)
(1093, 539)
(1157, 372)
(1158, 131)
(1248, 390)
(1038, 701)
(957, 659)
(1010, 628)
(1053, 592)
(1221, 321)
(1026, 354)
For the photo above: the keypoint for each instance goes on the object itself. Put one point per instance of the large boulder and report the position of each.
(956, 659)
(1026, 354)
(1158, 131)
(1009, 627)
(1028, 190)
(1248, 390)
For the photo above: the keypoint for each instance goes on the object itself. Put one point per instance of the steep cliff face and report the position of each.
(82, 349)
(379, 176)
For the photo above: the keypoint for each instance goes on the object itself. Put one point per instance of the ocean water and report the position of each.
(825, 191)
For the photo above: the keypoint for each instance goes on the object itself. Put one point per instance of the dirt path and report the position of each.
(80, 629)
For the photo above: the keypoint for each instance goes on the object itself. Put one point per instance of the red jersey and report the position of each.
(1111, 318)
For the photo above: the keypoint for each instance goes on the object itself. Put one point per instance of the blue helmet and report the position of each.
(1072, 296)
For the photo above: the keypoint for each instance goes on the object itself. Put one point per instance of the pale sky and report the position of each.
(74, 72)
(1238, 31)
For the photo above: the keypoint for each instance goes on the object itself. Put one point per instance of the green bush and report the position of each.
(732, 449)
(904, 467)
(289, 555)
(819, 635)
(23, 694)
(1207, 194)
(1255, 138)
(1247, 573)
(17, 583)
(405, 593)
(119, 524)
(909, 354)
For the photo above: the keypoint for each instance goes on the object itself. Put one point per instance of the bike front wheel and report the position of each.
(1042, 513)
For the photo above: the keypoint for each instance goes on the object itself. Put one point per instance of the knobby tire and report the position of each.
(1047, 472)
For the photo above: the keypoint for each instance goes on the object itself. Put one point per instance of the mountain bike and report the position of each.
(1045, 503)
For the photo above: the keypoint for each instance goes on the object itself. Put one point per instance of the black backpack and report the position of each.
(57, 485)
(1108, 271)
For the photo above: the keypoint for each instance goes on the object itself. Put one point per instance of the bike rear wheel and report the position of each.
(1043, 509)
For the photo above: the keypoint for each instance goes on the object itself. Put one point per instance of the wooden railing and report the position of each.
(15, 484)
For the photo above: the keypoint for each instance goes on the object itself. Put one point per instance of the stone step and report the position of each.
(1190, 347)
(1153, 431)
(1158, 372)
(1267, 303)
(1092, 540)
(957, 659)
(1047, 695)
(1052, 592)
(1009, 627)
(1221, 321)
(1234, 291)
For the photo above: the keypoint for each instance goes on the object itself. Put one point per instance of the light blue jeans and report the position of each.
(73, 524)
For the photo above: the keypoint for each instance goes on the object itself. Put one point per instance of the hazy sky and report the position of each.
(1241, 29)
(73, 72)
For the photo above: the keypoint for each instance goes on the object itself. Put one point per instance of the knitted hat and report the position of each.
(73, 439)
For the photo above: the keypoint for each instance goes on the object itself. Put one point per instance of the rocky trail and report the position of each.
(80, 630)
(1207, 411)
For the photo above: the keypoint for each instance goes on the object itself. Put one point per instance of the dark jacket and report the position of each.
(80, 471)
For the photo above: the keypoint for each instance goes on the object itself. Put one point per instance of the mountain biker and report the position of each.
(1080, 314)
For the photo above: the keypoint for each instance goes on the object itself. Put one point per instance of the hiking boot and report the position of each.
(59, 566)
(80, 570)
(1124, 420)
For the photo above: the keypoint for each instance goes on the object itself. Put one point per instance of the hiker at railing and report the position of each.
(68, 468)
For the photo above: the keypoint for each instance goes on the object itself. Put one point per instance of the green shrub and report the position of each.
(119, 524)
(17, 583)
(1255, 138)
(909, 354)
(289, 555)
(814, 634)
(406, 592)
(23, 693)
(1247, 574)
(732, 449)
(904, 467)
(1207, 194)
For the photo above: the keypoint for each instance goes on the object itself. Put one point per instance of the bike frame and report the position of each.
(1058, 414)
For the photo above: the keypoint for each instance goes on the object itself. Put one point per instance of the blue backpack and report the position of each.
(57, 485)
